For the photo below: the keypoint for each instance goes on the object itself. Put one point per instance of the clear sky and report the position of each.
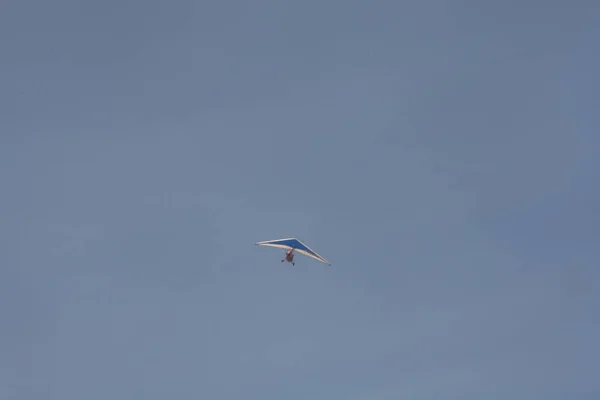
(442, 155)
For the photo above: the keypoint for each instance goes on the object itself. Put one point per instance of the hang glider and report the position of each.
(293, 245)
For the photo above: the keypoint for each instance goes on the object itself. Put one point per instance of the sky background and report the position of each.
(442, 155)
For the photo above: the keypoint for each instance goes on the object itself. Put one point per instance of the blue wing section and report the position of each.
(293, 243)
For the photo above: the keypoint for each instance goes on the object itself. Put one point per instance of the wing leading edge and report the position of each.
(297, 245)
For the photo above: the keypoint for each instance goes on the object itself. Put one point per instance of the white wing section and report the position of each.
(315, 256)
(279, 246)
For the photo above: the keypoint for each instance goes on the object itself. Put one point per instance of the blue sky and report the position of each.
(443, 156)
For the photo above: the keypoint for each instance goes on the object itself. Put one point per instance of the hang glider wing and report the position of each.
(293, 243)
